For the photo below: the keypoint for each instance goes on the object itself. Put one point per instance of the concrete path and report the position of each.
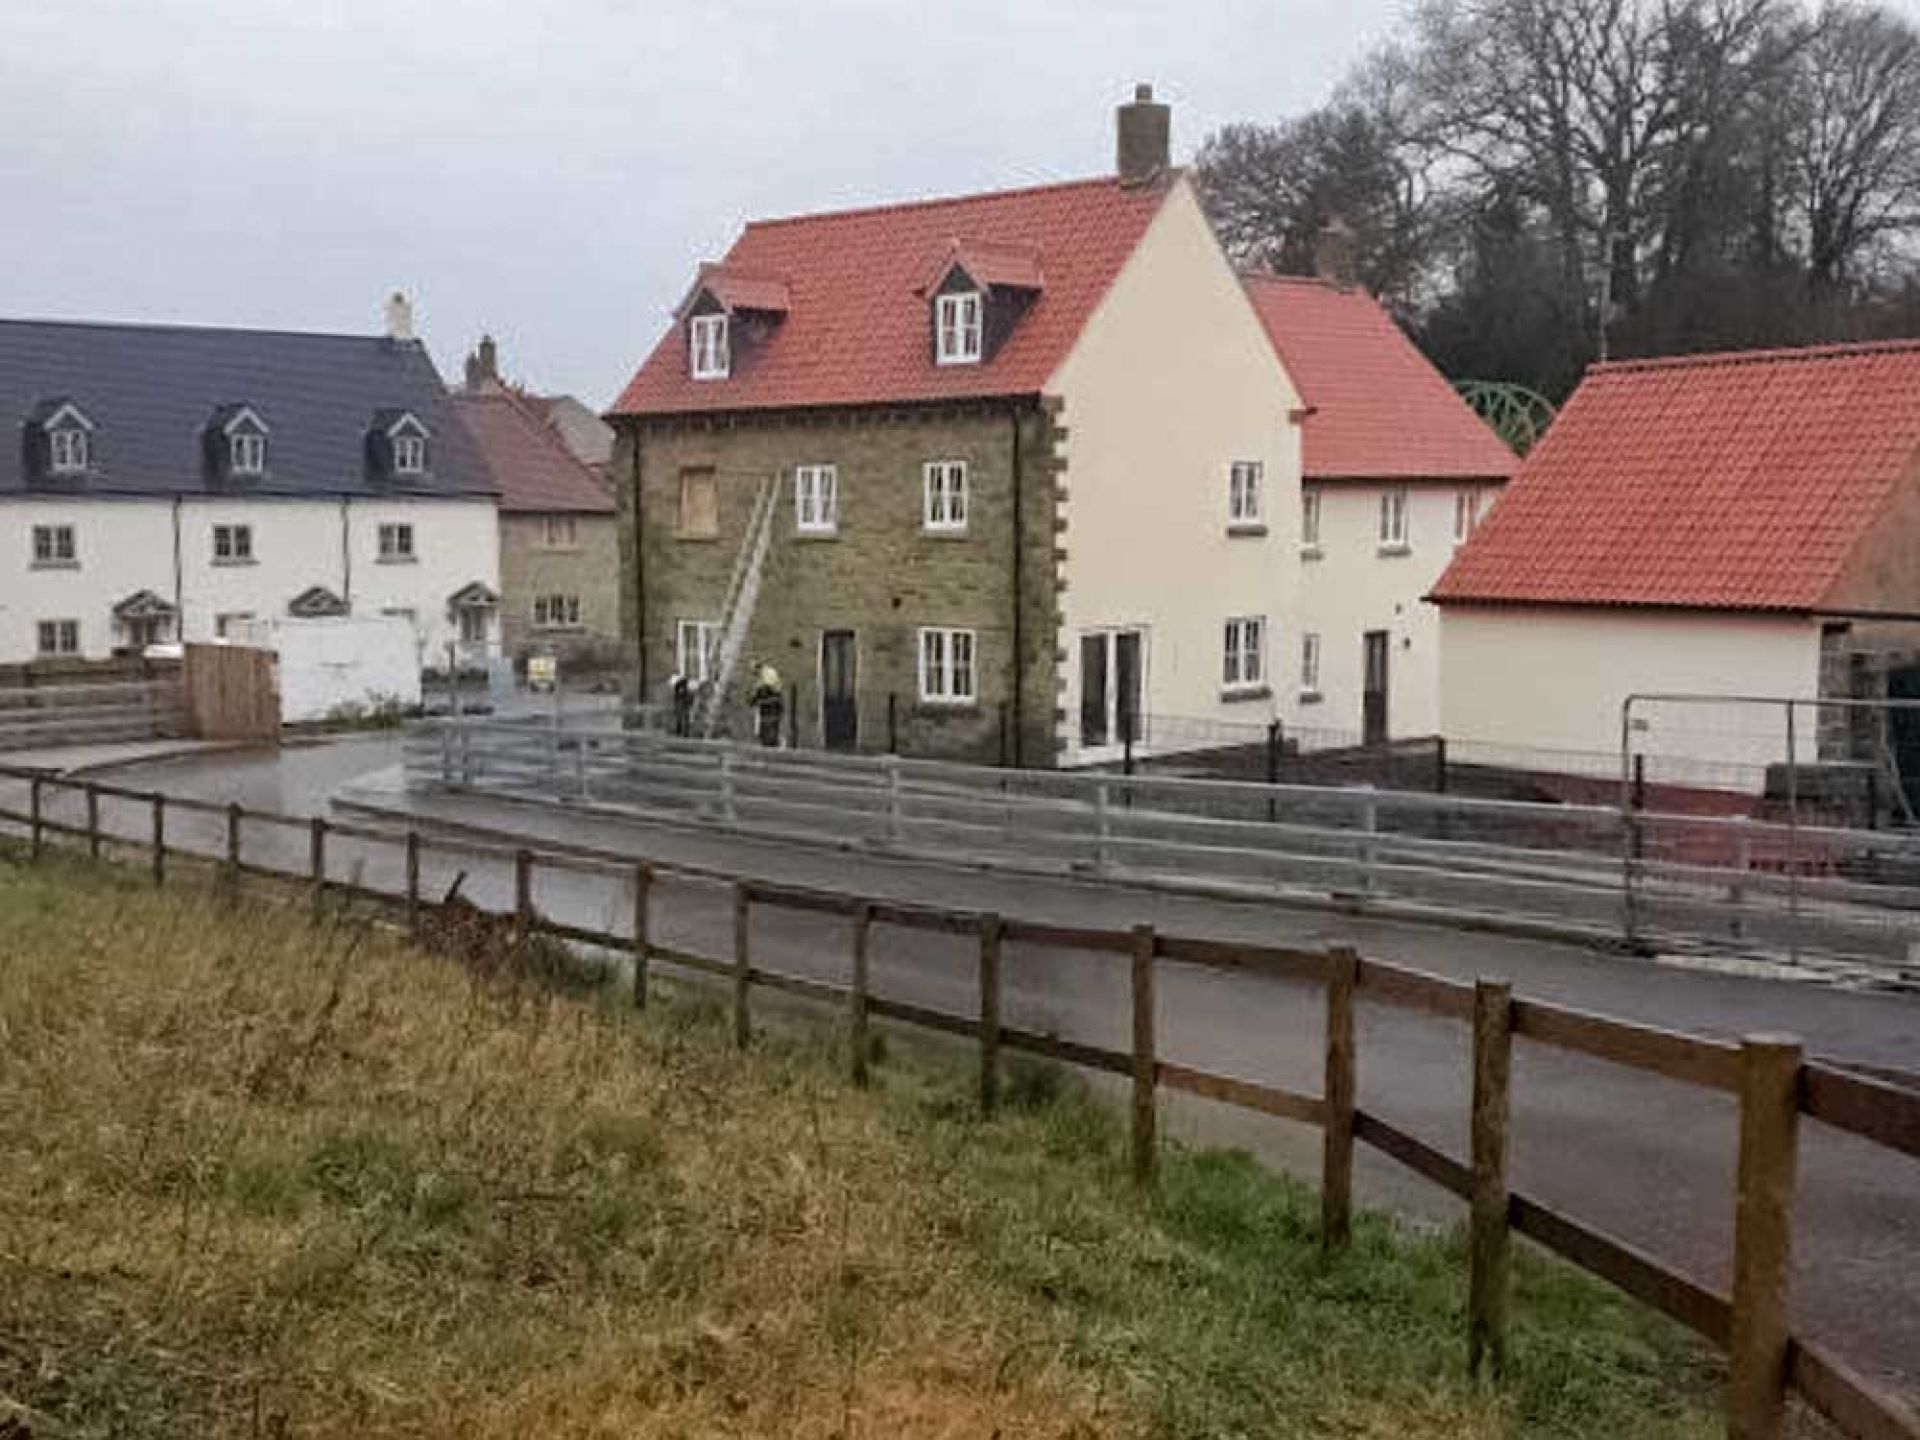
(1644, 1158)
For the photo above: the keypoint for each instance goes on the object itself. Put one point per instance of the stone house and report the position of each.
(559, 537)
(1724, 526)
(170, 483)
(998, 477)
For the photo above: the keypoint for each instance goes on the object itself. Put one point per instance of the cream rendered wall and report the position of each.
(1349, 585)
(129, 545)
(121, 546)
(1525, 686)
(1171, 381)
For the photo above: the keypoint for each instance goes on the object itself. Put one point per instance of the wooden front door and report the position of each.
(839, 690)
(1373, 697)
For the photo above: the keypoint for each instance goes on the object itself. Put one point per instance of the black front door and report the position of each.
(1373, 698)
(1903, 725)
(839, 690)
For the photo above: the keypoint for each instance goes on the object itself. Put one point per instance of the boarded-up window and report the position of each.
(699, 504)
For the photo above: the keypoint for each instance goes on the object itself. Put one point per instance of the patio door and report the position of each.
(1112, 682)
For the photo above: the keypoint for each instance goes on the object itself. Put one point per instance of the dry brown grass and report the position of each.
(263, 1179)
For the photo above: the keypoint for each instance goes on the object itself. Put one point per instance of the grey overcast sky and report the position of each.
(552, 173)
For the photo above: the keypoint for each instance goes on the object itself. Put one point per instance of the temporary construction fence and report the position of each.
(1773, 1084)
(50, 703)
(1608, 871)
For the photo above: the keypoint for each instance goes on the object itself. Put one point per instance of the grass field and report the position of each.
(261, 1178)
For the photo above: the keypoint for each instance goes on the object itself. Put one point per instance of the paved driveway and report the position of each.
(1644, 1158)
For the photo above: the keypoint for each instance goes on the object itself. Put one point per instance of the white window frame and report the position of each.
(816, 499)
(410, 454)
(949, 662)
(65, 633)
(233, 544)
(1310, 502)
(1243, 658)
(959, 327)
(945, 496)
(55, 547)
(557, 611)
(703, 638)
(67, 450)
(1393, 519)
(560, 532)
(247, 453)
(1309, 664)
(1246, 498)
(709, 347)
(1466, 513)
(225, 622)
(394, 539)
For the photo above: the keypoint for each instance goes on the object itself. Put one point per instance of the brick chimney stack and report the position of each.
(483, 364)
(1144, 132)
(399, 318)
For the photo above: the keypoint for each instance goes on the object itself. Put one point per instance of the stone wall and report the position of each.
(591, 570)
(882, 575)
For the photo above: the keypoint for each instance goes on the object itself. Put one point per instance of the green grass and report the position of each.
(268, 1179)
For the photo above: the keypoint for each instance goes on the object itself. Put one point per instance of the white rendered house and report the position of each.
(174, 484)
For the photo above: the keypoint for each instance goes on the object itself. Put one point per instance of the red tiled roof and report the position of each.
(531, 464)
(737, 290)
(1380, 410)
(859, 330)
(1015, 267)
(1726, 482)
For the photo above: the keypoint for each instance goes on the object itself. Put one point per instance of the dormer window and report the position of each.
(399, 446)
(409, 455)
(67, 451)
(707, 347)
(957, 328)
(247, 453)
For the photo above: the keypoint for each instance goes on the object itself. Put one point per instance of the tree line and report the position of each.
(1531, 184)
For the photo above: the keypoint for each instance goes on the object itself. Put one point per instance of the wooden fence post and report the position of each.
(1491, 1243)
(36, 826)
(523, 894)
(159, 840)
(642, 923)
(233, 849)
(1145, 1061)
(93, 821)
(1762, 1236)
(317, 862)
(990, 926)
(413, 883)
(1336, 1154)
(857, 994)
(742, 965)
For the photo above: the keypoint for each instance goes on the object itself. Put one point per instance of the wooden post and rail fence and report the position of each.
(1774, 1085)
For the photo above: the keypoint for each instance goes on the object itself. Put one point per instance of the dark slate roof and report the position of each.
(151, 390)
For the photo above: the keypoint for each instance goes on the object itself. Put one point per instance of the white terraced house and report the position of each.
(173, 483)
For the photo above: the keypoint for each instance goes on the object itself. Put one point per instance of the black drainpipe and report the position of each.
(346, 554)
(1019, 598)
(179, 581)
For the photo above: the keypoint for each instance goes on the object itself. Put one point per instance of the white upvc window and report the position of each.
(1243, 661)
(1393, 518)
(560, 532)
(232, 544)
(556, 612)
(709, 354)
(816, 499)
(67, 450)
(247, 453)
(54, 546)
(228, 623)
(1466, 514)
(957, 328)
(1310, 663)
(396, 543)
(1246, 505)
(58, 637)
(947, 671)
(946, 495)
(696, 648)
(409, 454)
(1310, 519)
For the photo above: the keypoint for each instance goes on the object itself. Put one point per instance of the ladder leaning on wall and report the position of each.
(736, 613)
